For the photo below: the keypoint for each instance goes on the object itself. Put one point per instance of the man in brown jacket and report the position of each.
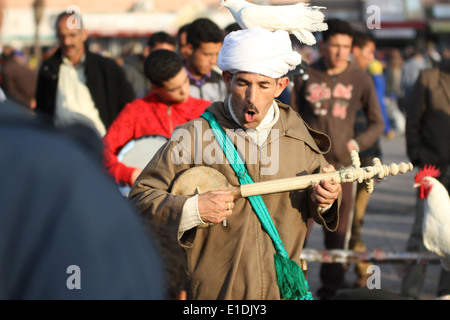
(329, 101)
(235, 260)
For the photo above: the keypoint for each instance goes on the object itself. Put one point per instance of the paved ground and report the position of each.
(387, 225)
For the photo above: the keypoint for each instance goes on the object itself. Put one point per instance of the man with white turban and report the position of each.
(259, 51)
(233, 245)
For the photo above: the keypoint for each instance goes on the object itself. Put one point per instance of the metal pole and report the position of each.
(376, 256)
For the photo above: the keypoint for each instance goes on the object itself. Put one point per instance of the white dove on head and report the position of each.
(299, 19)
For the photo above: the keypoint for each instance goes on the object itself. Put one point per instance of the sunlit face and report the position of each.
(337, 51)
(365, 55)
(71, 40)
(252, 95)
(175, 90)
(201, 61)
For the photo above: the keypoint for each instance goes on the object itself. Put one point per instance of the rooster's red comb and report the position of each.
(430, 171)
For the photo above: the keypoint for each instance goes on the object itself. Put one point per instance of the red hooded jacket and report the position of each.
(142, 117)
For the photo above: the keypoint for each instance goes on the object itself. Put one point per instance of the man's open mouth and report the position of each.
(250, 115)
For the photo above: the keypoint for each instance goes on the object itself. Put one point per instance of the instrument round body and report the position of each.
(200, 180)
(138, 152)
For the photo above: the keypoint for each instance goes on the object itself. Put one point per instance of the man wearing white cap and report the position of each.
(236, 248)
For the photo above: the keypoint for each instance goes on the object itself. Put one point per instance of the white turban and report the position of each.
(257, 50)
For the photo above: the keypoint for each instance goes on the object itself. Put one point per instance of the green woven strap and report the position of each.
(290, 277)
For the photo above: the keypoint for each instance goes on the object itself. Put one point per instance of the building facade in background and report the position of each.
(116, 26)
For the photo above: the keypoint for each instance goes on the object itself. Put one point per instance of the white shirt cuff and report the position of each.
(190, 217)
(323, 210)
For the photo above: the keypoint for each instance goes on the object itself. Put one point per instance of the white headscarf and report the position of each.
(257, 50)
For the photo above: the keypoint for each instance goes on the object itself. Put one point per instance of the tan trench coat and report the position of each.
(236, 261)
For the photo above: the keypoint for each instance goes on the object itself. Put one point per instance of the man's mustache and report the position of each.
(251, 107)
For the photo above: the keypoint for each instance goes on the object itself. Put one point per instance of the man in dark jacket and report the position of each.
(427, 132)
(67, 232)
(77, 85)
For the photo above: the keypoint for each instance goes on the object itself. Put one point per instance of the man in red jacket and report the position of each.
(165, 107)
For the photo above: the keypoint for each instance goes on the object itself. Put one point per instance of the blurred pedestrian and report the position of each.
(165, 107)
(18, 79)
(134, 64)
(363, 52)
(328, 100)
(67, 232)
(414, 62)
(182, 41)
(376, 70)
(234, 26)
(427, 132)
(204, 40)
(394, 91)
(394, 74)
(76, 85)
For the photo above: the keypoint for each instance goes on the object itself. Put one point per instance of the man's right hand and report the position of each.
(215, 206)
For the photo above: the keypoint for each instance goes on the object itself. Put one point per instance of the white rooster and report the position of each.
(299, 19)
(436, 219)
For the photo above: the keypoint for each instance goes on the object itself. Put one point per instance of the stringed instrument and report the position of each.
(202, 179)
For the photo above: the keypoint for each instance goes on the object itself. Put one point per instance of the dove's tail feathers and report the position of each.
(312, 22)
(309, 12)
(317, 27)
(304, 36)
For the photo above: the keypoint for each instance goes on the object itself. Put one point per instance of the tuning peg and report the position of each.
(356, 163)
(369, 185)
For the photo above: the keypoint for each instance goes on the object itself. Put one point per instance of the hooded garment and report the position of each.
(236, 261)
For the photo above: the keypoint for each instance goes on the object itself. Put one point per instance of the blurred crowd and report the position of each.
(149, 90)
(400, 67)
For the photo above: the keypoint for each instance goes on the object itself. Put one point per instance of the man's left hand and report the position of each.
(326, 192)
